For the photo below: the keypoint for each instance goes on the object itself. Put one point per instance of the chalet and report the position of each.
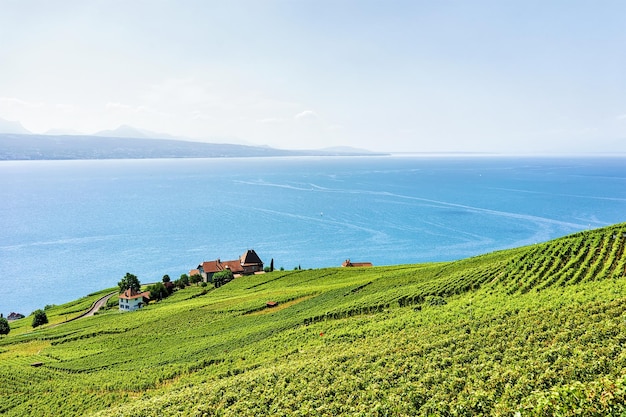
(131, 300)
(247, 264)
(349, 263)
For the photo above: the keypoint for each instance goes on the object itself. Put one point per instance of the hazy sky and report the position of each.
(504, 76)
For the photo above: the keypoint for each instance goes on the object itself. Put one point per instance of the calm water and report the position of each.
(69, 228)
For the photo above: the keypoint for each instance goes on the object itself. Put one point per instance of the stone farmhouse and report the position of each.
(249, 263)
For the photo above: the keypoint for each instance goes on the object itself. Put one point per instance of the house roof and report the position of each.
(250, 258)
(211, 267)
(131, 294)
(347, 262)
(194, 272)
(15, 316)
(234, 266)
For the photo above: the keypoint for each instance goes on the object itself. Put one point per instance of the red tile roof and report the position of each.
(234, 266)
(211, 267)
(131, 294)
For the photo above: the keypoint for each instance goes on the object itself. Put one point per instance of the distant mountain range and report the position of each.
(8, 126)
(15, 146)
(128, 142)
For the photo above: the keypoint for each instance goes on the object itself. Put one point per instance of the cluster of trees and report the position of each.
(160, 290)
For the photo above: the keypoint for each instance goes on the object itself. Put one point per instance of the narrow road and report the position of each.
(95, 307)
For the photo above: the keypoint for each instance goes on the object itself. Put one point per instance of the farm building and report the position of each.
(349, 263)
(247, 264)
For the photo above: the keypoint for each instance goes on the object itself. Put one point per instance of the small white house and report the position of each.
(131, 300)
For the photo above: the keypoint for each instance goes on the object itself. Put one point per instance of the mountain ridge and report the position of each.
(68, 147)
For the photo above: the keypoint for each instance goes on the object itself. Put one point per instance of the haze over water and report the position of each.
(74, 227)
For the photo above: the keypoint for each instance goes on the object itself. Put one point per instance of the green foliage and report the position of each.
(158, 291)
(129, 281)
(194, 279)
(184, 278)
(112, 303)
(4, 326)
(497, 335)
(166, 278)
(39, 318)
(222, 277)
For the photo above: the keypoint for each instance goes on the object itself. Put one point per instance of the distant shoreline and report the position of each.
(22, 147)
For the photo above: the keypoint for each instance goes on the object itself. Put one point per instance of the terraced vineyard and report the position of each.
(536, 331)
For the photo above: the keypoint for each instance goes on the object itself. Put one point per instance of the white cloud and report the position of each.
(307, 114)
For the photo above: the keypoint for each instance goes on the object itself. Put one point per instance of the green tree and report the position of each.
(272, 265)
(39, 318)
(195, 278)
(222, 277)
(158, 291)
(4, 326)
(129, 281)
(166, 278)
(184, 278)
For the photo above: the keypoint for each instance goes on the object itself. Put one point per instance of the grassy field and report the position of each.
(533, 331)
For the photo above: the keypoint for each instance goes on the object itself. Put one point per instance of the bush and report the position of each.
(158, 291)
(184, 278)
(4, 326)
(222, 277)
(39, 318)
(112, 302)
(435, 300)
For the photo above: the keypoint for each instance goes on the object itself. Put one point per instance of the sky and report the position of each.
(401, 76)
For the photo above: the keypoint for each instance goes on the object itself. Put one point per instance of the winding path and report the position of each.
(94, 307)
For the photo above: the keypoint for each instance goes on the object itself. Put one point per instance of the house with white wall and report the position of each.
(131, 300)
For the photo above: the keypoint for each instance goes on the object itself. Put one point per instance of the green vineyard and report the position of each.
(532, 331)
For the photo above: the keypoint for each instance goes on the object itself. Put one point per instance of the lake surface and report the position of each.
(69, 228)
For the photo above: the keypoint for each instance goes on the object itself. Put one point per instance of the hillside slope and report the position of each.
(537, 330)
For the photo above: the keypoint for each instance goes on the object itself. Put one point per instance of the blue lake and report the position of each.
(69, 228)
